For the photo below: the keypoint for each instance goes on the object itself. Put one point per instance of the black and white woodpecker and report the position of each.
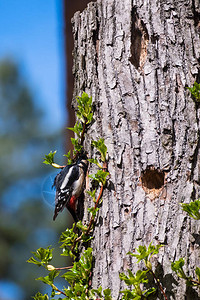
(69, 185)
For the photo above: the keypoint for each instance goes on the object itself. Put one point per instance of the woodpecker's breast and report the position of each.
(78, 184)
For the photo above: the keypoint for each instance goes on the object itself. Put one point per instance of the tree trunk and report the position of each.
(136, 58)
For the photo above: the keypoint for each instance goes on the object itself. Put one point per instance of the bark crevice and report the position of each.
(139, 41)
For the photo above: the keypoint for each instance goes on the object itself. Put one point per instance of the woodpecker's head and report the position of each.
(82, 162)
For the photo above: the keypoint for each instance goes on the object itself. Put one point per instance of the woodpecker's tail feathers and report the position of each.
(61, 201)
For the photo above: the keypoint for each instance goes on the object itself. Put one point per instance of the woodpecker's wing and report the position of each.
(59, 177)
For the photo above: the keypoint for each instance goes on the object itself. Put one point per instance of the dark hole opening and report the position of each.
(153, 179)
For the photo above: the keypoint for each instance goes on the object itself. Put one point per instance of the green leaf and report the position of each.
(80, 271)
(53, 293)
(107, 294)
(86, 260)
(49, 158)
(100, 145)
(85, 111)
(67, 239)
(100, 176)
(95, 161)
(197, 271)
(44, 255)
(68, 155)
(177, 267)
(78, 128)
(80, 225)
(149, 292)
(193, 209)
(136, 280)
(92, 194)
(39, 296)
(146, 253)
(86, 238)
(127, 294)
(68, 236)
(93, 211)
(98, 291)
(195, 91)
(76, 144)
(34, 261)
(49, 278)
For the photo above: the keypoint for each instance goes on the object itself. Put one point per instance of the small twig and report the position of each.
(76, 241)
(56, 166)
(97, 201)
(55, 288)
(81, 141)
(194, 281)
(61, 292)
(91, 220)
(159, 285)
(63, 268)
(96, 204)
(83, 133)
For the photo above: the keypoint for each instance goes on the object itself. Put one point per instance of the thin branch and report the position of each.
(63, 268)
(194, 281)
(81, 141)
(61, 292)
(56, 166)
(96, 204)
(91, 220)
(159, 285)
(83, 133)
(55, 288)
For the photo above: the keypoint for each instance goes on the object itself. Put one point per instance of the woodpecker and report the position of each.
(69, 185)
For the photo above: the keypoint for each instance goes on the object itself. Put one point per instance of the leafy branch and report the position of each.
(85, 118)
(78, 275)
(44, 256)
(144, 254)
(177, 267)
(49, 160)
(84, 114)
(136, 281)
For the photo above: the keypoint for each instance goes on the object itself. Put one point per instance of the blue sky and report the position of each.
(32, 33)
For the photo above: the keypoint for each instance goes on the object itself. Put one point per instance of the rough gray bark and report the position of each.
(135, 58)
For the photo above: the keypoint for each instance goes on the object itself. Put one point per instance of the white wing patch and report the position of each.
(65, 181)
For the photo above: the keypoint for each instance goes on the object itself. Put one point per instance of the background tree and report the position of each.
(25, 216)
(136, 58)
